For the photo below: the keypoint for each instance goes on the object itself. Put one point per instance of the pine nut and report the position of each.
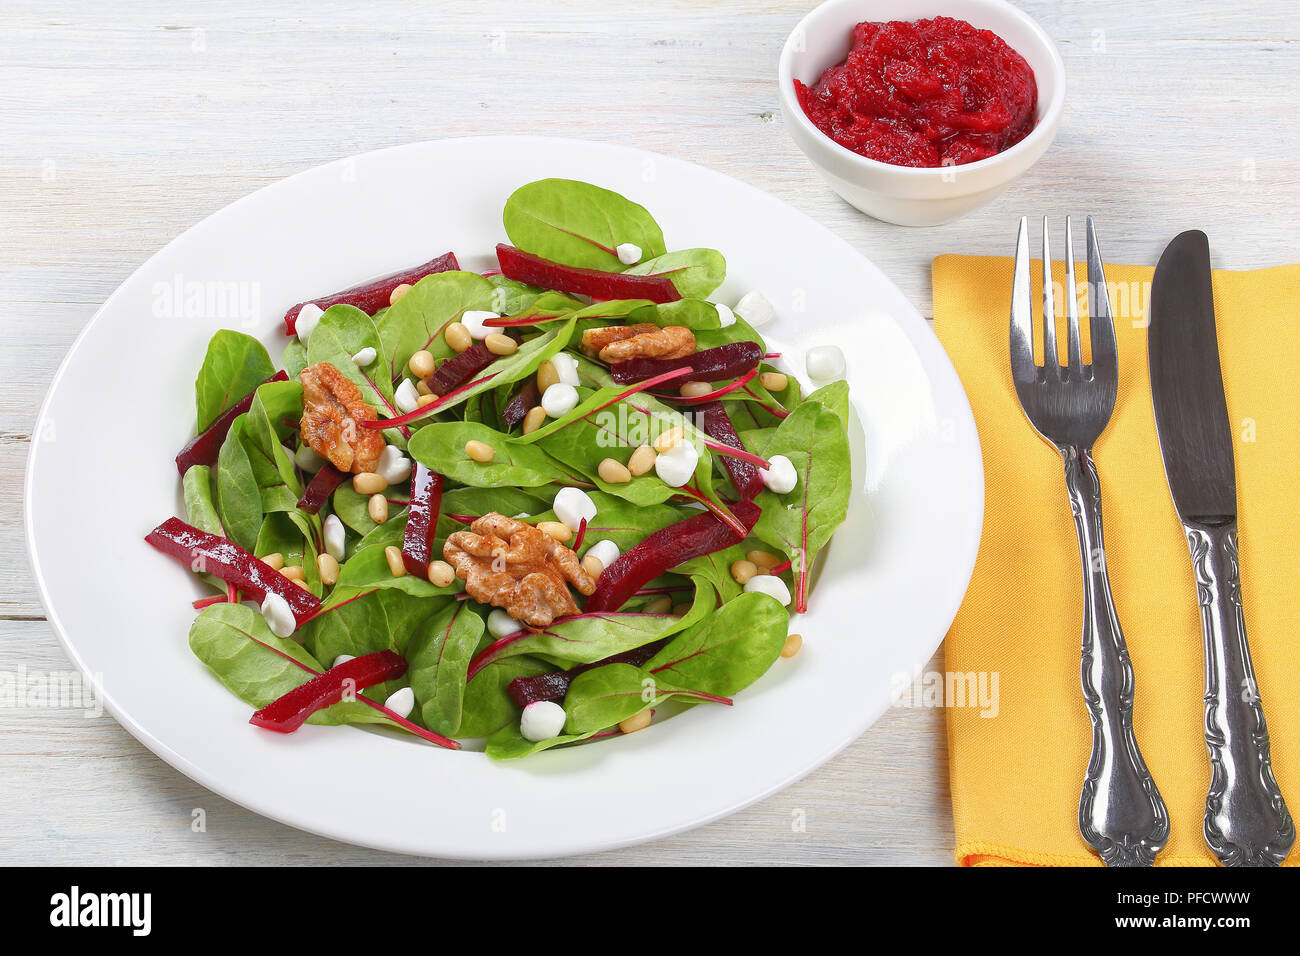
(293, 573)
(681, 610)
(546, 376)
(533, 420)
(556, 529)
(369, 483)
(593, 566)
(422, 388)
(398, 291)
(660, 605)
(458, 337)
(424, 400)
(378, 508)
(275, 560)
(669, 439)
(393, 555)
(303, 584)
(499, 344)
(441, 574)
(613, 472)
(421, 364)
(695, 389)
(480, 452)
(792, 645)
(636, 722)
(774, 381)
(765, 560)
(742, 571)
(642, 460)
(328, 567)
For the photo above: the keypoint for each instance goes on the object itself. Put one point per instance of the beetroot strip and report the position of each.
(320, 488)
(372, 296)
(204, 447)
(543, 273)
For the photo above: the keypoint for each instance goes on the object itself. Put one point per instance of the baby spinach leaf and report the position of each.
(605, 696)
(294, 358)
(509, 744)
(801, 522)
(368, 568)
(487, 707)
(739, 331)
(417, 320)
(834, 396)
(353, 509)
(357, 628)
(440, 654)
(695, 272)
(200, 511)
(621, 521)
(441, 447)
(727, 652)
(234, 365)
(343, 331)
(578, 224)
(507, 501)
(587, 638)
(694, 314)
(239, 496)
(222, 637)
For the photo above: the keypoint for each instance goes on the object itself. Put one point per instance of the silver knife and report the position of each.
(1246, 820)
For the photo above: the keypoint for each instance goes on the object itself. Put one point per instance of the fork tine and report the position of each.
(1051, 360)
(1075, 353)
(1100, 318)
(1022, 315)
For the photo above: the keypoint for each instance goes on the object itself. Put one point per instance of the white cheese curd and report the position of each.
(572, 506)
(676, 466)
(542, 720)
(781, 476)
(473, 321)
(406, 398)
(401, 702)
(343, 659)
(499, 623)
(605, 551)
(307, 459)
(393, 465)
(726, 317)
(365, 357)
(335, 536)
(825, 363)
(308, 318)
(755, 309)
(559, 399)
(566, 367)
(771, 585)
(279, 618)
(629, 253)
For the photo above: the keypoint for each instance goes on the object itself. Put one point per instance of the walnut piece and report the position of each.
(512, 565)
(619, 343)
(331, 408)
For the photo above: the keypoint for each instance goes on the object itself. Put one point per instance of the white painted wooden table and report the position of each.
(122, 125)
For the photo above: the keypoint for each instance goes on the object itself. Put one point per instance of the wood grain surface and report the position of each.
(123, 124)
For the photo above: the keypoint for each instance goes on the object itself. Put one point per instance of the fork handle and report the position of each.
(1121, 814)
(1246, 821)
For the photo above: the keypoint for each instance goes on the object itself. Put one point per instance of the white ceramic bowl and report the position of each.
(902, 194)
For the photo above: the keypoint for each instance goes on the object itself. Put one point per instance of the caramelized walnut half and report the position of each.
(512, 565)
(619, 343)
(331, 408)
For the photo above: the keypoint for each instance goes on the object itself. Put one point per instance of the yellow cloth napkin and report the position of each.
(1016, 777)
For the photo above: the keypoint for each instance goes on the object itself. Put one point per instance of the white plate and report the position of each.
(101, 476)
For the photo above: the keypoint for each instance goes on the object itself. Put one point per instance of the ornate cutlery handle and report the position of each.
(1121, 814)
(1246, 820)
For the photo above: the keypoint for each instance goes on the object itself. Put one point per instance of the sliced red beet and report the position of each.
(204, 447)
(717, 425)
(372, 296)
(529, 690)
(287, 713)
(665, 549)
(455, 371)
(421, 519)
(717, 364)
(320, 488)
(524, 400)
(534, 270)
(201, 551)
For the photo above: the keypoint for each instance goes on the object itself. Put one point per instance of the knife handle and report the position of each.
(1121, 813)
(1246, 820)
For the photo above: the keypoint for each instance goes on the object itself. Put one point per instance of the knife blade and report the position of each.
(1246, 820)
(1187, 383)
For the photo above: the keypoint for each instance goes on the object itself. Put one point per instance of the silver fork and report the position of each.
(1121, 814)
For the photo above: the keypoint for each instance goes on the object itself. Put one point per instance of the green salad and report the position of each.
(531, 505)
